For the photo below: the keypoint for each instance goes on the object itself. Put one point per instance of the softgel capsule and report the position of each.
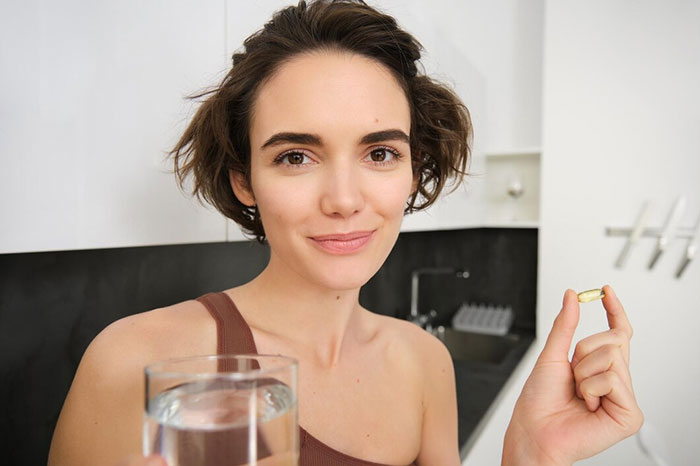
(590, 295)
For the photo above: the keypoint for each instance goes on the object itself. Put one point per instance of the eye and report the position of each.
(293, 158)
(383, 155)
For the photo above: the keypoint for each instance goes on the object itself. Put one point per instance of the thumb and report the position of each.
(559, 340)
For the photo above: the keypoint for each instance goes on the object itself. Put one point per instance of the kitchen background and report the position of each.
(582, 112)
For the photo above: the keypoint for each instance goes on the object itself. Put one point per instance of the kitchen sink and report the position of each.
(467, 346)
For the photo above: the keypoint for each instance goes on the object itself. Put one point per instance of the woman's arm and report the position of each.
(439, 442)
(102, 416)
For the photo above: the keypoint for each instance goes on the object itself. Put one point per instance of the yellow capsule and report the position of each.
(590, 295)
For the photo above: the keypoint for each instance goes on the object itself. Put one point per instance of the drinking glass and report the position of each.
(222, 410)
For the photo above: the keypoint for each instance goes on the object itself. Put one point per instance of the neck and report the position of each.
(318, 321)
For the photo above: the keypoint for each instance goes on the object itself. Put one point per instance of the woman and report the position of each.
(318, 140)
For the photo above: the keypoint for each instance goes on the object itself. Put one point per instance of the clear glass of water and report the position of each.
(223, 410)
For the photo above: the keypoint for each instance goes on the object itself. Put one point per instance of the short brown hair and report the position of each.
(217, 139)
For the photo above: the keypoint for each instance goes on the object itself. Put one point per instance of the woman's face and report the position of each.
(330, 167)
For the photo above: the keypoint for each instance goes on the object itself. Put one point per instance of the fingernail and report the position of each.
(155, 460)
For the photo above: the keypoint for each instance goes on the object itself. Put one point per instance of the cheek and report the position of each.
(391, 195)
(280, 204)
(284, 203)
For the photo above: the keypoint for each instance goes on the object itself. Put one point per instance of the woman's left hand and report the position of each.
(568, 411)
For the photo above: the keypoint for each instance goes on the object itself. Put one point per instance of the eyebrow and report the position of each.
(386, 135)
(296, 138)
(315, 140)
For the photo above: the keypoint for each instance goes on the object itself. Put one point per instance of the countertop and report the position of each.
(478, 386)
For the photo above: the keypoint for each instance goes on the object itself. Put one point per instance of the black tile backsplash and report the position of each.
(502, 264)
(53, 303)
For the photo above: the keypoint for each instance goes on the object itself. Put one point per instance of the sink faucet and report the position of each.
(424, 320)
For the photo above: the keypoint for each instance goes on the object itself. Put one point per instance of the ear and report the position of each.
(241, 189)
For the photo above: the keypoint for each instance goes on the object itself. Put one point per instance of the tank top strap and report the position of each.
(233, 335)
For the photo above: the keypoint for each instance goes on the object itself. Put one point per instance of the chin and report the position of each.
(344, 277)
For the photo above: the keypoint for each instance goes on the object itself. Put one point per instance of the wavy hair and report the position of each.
(217, 139)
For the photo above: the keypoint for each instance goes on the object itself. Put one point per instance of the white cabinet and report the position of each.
(94, 94)
(513, 188)
(92, 97)
(490, 53)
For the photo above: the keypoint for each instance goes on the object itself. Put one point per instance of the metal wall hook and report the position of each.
(634, 235)
(669, 230)
(681, 233)
(664, 236)
(690, 250)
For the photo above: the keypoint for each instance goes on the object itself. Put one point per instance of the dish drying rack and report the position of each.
(483, 318)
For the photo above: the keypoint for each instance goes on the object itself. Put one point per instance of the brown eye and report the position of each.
(378, 155)
(298, 159)
(383, 156)
(295, 158)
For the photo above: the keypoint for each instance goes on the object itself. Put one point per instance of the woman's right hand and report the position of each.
(569, 411)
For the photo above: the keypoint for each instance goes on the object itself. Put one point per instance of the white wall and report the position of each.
(621, 116)
(621, 112)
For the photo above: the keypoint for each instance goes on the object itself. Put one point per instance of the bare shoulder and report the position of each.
(426, 352)
(433, 368)
(118, 354)
(163, 333)
(104, 405)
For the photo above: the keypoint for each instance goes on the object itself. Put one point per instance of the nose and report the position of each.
(342, 194)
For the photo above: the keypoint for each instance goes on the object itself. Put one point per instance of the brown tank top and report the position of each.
(234, 336)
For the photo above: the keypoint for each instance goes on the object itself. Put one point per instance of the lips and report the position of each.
(343, 243)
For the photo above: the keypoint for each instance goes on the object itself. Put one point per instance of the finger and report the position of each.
(609, 385)
(617, 318)
(593, 342)
(605, 358)
(618, 402)
(559, 340)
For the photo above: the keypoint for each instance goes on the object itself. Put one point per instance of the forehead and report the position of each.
(332, 93)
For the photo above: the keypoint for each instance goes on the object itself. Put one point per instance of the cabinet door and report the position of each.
(489, 53)
(93, 96)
